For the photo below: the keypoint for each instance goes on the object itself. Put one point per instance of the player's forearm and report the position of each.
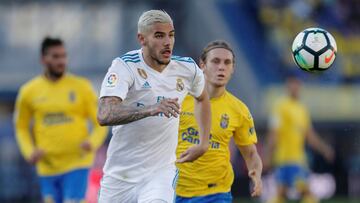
(252, 159)
(255, 163)
(113, 112)
(25, 143)
(203, 118)
(317, 143)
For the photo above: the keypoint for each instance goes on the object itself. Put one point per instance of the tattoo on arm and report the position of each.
(112, 112)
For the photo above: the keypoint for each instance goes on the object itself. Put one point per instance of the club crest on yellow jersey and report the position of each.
(72, 96)
(224, 122)
(180, 85)
(142, 73)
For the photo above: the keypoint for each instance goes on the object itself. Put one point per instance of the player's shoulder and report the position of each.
(78, 80)
(281, 102)
(186, 62)
(183, 60)
(131, 57)
(237, 104)
(33, 83)
(128, 61)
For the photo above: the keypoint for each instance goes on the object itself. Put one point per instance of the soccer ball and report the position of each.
(314, 49)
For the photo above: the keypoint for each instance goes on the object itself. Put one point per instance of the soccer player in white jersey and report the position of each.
(140, 97)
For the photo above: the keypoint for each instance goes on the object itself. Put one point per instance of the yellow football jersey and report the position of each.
(212, 172)
(291, 121)
(53, 116)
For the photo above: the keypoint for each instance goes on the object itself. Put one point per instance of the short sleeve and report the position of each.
(245, 134)
(117, 80)
(198, 83)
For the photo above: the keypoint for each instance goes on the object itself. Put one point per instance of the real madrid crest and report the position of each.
(179, 85)
(224, 122)
(142, 73)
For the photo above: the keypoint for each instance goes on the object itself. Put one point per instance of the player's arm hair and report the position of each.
(252, 158)
(112, 111)
(203, 117)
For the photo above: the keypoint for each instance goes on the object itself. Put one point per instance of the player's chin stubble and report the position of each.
(55, 74)
(160, 62)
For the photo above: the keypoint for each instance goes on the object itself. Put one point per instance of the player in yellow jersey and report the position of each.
(51, 121)
(290, 128)
(209, 178)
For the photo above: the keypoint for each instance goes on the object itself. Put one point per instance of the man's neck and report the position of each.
(52, 78)
(215, 92)
(294, 97)
(153, 63)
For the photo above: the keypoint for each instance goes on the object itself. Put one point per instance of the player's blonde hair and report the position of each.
(151, 17)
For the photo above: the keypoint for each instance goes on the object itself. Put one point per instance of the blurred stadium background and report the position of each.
(261, 32)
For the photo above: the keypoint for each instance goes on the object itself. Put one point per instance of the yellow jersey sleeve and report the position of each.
(245, 134)
(22, 117)
(98, 133)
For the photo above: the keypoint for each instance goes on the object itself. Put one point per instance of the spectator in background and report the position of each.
(51, 121)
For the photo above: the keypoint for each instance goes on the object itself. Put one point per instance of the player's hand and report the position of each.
(169, 107)
(36, 156)
(86, 146)
(256, 179)
(192, 153)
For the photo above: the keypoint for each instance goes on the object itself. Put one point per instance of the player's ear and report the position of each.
(141, 39)
(202, 65)
(42, 59)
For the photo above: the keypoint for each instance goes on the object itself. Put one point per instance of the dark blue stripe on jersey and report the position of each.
(184, 59)
(132, 61)
(125, 60)
(178, 57)
(130, 55)
(189, 61)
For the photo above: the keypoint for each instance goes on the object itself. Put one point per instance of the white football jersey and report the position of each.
(140, 147)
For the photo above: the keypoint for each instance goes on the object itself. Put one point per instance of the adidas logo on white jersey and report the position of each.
(146, 85)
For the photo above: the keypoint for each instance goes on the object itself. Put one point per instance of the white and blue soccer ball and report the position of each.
(314, 49)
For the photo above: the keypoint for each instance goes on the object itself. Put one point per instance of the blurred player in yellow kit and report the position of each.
(290, 127)
(51, 120)
(209, 178)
